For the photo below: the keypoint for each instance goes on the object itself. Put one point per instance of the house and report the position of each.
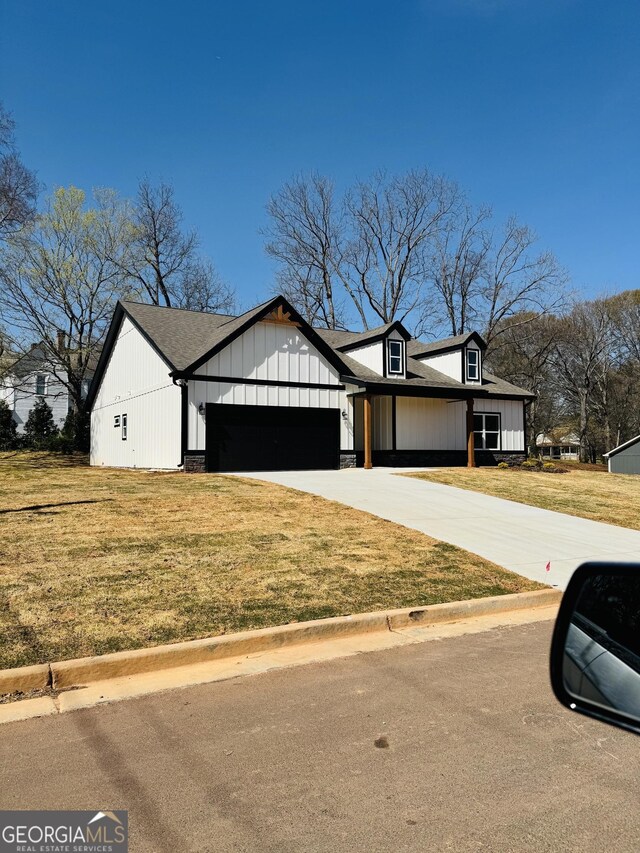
(266, 391)
(37, 375)
(561, 443)
(624, 459)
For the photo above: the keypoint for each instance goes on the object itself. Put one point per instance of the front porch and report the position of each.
(399, 431)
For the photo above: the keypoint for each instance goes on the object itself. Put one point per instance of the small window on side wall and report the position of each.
(473, 365)
(41, 385)
(394, 349)
(116, 421)
(124, 427)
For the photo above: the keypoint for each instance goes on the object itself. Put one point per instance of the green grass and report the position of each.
(119, 559)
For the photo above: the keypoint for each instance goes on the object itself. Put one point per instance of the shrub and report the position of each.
(8, 434)
(75, 432)
(530, 465)
(40, 428)
(552, 468)
(503, 465)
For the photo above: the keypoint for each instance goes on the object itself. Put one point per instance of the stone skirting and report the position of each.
(195, 463)
(438, 458)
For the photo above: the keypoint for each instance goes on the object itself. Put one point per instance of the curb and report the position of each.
(75, 673)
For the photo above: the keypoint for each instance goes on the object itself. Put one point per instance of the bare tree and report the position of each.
(456, 266)
(163, 259)
(18, 185)
(394, 221)
(61, 276)
(519, 280)
(579, 358)
(306, 237)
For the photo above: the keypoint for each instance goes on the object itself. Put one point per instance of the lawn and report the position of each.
(586, 491)
(99, 560)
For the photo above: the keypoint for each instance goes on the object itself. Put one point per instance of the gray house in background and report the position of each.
(625, 459)
(36, 376)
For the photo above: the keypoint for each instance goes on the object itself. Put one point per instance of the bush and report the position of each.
(75, 432)
(503, 465)
(552, 468)
(530, 465)
(40, 428)
(8, 433)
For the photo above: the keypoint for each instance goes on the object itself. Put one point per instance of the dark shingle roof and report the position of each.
(185, 337)
(417, 348)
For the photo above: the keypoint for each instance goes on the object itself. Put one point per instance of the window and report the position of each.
(395, 359)
(486, 431)
(473, 365)
(41, 385)
(124, 427)
(116, 420)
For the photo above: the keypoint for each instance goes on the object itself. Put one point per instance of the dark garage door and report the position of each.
(271, 438)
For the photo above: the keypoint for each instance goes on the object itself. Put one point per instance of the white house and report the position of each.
(36, 375)
(560, 443)
(266, 391)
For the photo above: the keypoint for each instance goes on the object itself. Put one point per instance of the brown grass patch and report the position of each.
(98, 560)
(582, 491)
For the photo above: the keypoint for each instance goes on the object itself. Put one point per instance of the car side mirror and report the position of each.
(595, 650)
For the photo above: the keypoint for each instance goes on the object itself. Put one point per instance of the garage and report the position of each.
(271, 438)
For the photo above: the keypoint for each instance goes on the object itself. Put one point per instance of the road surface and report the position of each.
(472, 753)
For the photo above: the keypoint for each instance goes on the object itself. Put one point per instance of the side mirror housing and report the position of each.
(595, 650)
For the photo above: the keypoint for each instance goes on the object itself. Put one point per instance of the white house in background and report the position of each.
(36, 375)
(266, 391)
(560, 443)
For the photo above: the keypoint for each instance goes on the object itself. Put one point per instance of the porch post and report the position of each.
(367, 431)
(471, 454)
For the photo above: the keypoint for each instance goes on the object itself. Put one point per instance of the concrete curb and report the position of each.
(76, 673)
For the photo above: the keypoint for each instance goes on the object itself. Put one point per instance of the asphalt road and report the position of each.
(479, 757)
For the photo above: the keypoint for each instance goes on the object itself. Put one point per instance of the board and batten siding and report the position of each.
(371, 356)
(273, 352)
(136, 382)
(449, 363)
(424, 423)
(511, 421)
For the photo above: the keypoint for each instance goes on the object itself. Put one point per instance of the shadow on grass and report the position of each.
(37, 507)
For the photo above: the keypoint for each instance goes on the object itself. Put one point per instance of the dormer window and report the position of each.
(473, 365)
(395, 357)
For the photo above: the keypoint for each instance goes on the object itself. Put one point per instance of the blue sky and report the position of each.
(531, 105)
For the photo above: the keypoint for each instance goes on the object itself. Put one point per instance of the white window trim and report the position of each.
(46, 382)
(484, 430)
(116, 420)
(124, 426)
(391, 372)
(478, 365)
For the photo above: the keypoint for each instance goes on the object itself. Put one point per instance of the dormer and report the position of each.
(382, 350)
(459, 357)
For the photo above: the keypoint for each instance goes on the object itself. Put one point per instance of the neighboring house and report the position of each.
(266, 391)
(560, 443)
(32, 376)
(625, 459)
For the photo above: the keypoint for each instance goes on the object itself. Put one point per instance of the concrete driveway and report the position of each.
(518, 537)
